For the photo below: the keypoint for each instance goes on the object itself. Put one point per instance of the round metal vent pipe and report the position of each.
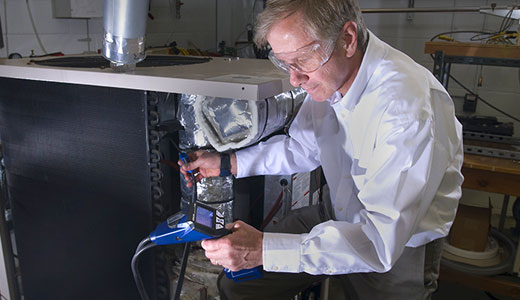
(125, 29)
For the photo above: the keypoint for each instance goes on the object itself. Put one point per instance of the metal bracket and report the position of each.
(441, 68)
(178, 5)
(2, 35)
(487, 137)
(489, 151)
(411, 4)
(493, 152)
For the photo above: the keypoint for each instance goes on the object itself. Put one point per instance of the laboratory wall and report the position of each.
(203, 24)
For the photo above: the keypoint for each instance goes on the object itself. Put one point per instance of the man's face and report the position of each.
(288, 38)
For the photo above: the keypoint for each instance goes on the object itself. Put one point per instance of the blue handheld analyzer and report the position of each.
(201, 222)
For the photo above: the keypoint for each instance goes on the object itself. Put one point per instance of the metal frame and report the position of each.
(6, 243)
(442, 64)
(494, 152)
(441, 70)
(487, 137)
(500, 11)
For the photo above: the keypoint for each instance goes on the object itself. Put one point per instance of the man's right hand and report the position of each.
(203, 164)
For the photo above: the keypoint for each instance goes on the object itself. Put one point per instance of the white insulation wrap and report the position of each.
(233, 123)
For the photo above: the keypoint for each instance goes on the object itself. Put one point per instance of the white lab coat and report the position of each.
(391, 151)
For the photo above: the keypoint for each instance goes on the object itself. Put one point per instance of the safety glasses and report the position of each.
(306, 59)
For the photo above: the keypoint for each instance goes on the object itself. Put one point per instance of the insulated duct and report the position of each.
(125, 28)
(217, 192)
(192, 137)
(214, 191)
(225, 124)
(233, 124)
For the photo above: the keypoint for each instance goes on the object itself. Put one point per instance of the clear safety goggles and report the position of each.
(306, 59)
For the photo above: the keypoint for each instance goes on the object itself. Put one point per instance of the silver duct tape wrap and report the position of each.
(276, 113)
(124, 23)
(229, 124)
(233, 124)
(229, 118)
(192, 136)
(120, 50)
(209, 189)
(217, 192)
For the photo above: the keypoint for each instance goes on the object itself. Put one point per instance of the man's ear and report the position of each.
(349, 37)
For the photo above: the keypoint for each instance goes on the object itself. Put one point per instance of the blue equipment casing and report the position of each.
(243, 275)
(201, 222)
(184, 232)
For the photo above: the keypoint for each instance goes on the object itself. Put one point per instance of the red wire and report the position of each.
(170, 163)
(276, 207)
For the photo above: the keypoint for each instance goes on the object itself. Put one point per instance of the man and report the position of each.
(384, 131)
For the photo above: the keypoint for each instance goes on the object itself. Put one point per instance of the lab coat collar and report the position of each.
(374, 53)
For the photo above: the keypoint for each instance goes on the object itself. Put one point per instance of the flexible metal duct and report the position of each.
(217, 192)
(192, 137)
(233, 124)
(229, 124)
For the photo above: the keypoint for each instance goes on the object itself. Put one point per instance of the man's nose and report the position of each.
(297, 78)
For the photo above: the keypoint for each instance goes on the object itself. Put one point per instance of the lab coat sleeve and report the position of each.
(282, 154)
(402, 176)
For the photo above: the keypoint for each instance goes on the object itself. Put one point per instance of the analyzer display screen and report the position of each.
(204, 217)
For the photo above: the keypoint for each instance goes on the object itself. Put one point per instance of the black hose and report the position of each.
(143, 246)
(143, 242)
(186, 252)
(182, 271)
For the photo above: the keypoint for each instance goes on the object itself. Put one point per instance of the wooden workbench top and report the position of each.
(493, 164)
(473, 49)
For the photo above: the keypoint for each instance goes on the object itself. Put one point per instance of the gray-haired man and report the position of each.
(383, 130)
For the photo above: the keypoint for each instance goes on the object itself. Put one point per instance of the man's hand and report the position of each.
(203, 164)
(242, 249)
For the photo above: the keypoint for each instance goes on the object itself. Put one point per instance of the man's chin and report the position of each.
(318, 97)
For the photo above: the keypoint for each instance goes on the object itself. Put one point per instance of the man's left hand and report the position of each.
(242, 249)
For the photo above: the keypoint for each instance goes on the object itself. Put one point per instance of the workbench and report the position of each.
(482, 173)
(447, 53)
